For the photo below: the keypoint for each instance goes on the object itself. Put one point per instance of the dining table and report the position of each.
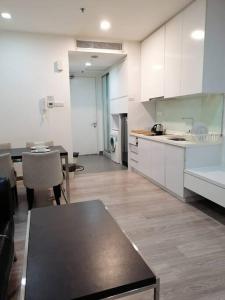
(17, 154)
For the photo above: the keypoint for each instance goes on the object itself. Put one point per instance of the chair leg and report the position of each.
(30, 198)
(57, 193)
(15, 193)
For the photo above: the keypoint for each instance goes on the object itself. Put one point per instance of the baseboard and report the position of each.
(107, 154)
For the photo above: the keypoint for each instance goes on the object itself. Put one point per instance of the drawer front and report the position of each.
(133, 140)
(133, 149)
(134, 156)
(205, 189)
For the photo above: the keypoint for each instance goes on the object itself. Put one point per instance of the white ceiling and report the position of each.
(131, 19)
(77, 60)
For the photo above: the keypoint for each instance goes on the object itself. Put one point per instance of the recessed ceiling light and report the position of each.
(105, 25)
(198, 35)
(88, 64)
(6, 15)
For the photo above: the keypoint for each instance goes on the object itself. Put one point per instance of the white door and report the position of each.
(193, 48)
(173, 50)
(157, 164)
(84, 115)
(174, 163)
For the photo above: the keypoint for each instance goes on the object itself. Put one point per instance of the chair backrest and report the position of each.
(6, 168)
(4, 146)
(42, 170)
(47, 144)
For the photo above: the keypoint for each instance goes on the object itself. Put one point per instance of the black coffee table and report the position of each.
(78, 251)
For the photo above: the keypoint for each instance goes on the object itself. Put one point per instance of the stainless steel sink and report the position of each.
(178, 139)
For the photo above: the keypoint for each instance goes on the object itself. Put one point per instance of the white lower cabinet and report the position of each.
(144, 148)
(151, 160)
(157, 167)
(174, 169)
(160, 162)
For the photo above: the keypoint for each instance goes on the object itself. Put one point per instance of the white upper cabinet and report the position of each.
(118, 81)
(214, 55)
(193, 33)
(173, 50)
(187, 55)
(152, 65)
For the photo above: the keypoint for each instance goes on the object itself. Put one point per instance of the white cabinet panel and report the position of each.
(160, 162)
(157, 162)
(118, 81)
(144, 148)
(205, 189)
(133, 153)
(152, 65)
(119, 106)
(174, 169)
(173, 52)
(193, 48)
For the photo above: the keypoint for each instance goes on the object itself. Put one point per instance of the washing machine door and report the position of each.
(112, 144)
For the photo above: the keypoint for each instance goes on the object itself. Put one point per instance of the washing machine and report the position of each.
(115, 146)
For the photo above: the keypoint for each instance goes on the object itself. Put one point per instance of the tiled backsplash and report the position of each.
(207, 109)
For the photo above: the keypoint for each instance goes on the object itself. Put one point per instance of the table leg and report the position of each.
(67, 179)
(157, 289)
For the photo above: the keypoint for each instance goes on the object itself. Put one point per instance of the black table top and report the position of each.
(78, 251)
(16, 153)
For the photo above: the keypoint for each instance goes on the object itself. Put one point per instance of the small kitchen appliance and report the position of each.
(157, 129)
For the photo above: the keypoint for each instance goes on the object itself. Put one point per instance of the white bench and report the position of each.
(208, 182)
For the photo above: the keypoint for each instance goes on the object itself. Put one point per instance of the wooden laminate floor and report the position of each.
(182, 243)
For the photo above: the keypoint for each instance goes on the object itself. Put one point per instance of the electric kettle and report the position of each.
(157, 129)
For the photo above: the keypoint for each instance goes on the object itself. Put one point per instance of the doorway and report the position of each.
(84, 115)
(106, 112)
(90, 106)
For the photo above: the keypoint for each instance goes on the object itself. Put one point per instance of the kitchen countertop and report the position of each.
(165, 139)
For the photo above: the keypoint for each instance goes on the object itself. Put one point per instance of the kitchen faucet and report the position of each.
(192, 122)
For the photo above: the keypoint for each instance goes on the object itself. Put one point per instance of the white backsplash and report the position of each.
(207, 109)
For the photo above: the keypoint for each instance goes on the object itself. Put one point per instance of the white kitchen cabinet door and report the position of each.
(152, 65)
(157, 162)
(174, 169)
(144, 148)
(193, 48)
(118, 81)
(173, 52)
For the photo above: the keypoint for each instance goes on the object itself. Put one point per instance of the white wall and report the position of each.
(141, 115)
(27, 75)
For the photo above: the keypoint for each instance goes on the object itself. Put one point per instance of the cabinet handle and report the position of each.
(134, 160)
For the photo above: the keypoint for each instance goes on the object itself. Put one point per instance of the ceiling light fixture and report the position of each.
(6, 15)
(198, 35)
(88, 64)
(105, 25)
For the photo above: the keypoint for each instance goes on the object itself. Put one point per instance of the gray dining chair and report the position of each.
(7, 170)
(42, 171)
(46, 143)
